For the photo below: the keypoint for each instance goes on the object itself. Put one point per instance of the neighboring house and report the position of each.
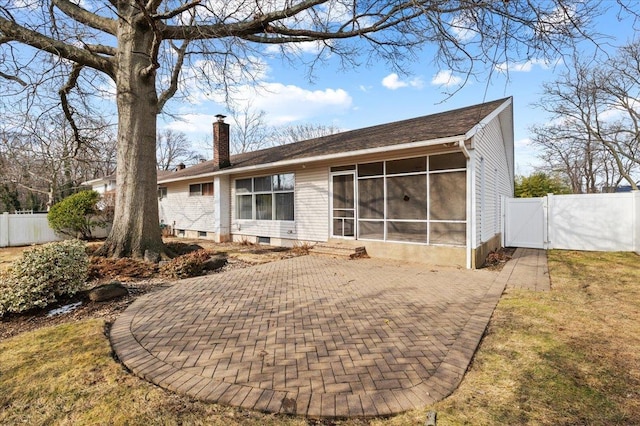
(102, 185)
(425, 189)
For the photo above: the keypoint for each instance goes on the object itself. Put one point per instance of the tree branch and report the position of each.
(157, 39)
(15, 32)
(83, 16)
(258, 25)
(63, 92)
(13, 78)
(175, 12)
(102, 49)
(175, 74)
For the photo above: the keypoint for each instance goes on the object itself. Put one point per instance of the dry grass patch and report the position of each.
(9, 254)
(66, 375)
(566, 357)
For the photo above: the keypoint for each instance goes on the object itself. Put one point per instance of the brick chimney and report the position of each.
(221, 142)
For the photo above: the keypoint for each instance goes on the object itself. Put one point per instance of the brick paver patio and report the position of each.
(313, 336)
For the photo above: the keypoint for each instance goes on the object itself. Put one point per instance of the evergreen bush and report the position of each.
(76, 215)
(42, 275)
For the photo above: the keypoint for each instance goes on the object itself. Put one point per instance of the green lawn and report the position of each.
(565, 357)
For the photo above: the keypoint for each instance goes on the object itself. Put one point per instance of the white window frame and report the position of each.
(253, 193)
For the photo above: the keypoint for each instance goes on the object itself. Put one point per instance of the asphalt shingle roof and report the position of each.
(446, 124)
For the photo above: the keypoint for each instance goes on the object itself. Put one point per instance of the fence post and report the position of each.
(4, 230)
(636, 221)
(548, 222)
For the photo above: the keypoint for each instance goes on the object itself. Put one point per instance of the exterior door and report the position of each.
(343, 205)
(525, 222)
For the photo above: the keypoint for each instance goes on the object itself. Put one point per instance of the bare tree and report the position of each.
(250, 132)
(595, 130)
(144, 46)
(568, 150)
(299, 132)
(173, 148)
(41, 160)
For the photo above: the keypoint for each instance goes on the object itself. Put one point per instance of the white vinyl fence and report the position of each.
(25, 229)
(595, 222)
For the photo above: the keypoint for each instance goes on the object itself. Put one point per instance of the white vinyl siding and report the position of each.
(492, 158)
(181, 211)
(312, 204)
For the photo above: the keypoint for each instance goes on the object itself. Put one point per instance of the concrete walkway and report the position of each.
(313, 336)
(527, 270)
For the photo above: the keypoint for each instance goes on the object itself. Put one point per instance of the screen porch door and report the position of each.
(343, 205)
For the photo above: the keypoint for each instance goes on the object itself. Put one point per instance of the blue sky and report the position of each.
(374, 94)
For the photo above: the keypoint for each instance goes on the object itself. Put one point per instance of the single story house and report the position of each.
(427, 189)
(103, 185)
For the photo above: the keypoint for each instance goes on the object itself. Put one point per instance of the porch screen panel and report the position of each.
(343, 192)
(448, 233)
(407, 165)
(371, 230)
(456, 160)
(407, 197)
(407, 231)
(415, 200)
(371, 198)
(448, 196)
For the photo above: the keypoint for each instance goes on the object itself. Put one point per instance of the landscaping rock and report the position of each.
(108, 291)
(215, 263)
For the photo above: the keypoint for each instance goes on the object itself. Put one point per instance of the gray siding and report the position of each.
(493, 176)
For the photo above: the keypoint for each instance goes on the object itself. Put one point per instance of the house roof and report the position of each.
(112, 178)
(447, 124)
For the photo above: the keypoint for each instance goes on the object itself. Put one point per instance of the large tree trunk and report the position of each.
(136, 230)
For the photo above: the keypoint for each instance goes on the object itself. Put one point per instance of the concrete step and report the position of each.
(339, 251)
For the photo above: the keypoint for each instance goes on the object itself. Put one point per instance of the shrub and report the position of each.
(76, 215)
(42, 275)
(189, 265)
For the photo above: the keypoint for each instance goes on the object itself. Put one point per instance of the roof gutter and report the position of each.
(343, 155)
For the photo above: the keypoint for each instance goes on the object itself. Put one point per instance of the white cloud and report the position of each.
(199, 79)
(192, 123)
(526, 66)
(393, 82)
(283, 104)
(288, 103)
(463, 29)
(307, 47)
(445, 78)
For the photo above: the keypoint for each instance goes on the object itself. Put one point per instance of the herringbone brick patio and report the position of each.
(312, 336)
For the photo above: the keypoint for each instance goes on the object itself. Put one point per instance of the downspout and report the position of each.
(470, 207)
(464, 149)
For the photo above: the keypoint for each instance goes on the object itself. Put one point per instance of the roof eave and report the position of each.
(493, 114)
